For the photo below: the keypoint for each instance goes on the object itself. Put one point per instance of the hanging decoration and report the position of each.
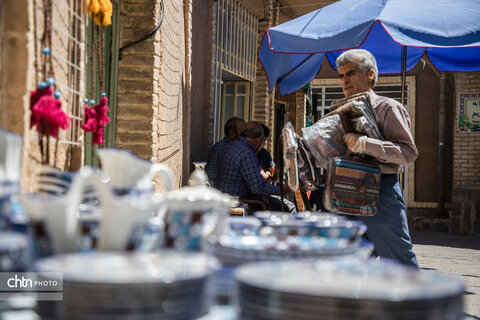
(100, 11)
(46, 112)
(96, 115)
(96, 118)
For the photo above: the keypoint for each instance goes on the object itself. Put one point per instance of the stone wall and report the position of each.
(465, 213)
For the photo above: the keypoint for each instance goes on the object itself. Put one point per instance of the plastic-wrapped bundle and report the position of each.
(325, 139)
(290, 147)
(354, 114)
(308, 175)
(362, 126)
(354, 107)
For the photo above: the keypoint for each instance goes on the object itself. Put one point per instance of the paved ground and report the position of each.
(455, 255)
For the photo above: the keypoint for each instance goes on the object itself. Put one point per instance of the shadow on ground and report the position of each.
(445, 240)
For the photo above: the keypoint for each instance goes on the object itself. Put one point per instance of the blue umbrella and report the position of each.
(447, 31)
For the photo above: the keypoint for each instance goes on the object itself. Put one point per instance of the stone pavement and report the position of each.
(455, 255)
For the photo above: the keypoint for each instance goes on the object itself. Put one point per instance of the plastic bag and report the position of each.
(290, 147)
(325, 139)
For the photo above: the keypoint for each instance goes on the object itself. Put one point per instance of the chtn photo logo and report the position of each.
(16, 282)
(44, 286)
(31, 281)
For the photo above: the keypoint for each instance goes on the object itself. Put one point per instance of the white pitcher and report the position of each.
(117, 214)
(120, 213)
(128, 171)
(10, 153)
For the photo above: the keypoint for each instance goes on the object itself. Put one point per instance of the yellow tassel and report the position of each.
(100, 11)
(93, 7)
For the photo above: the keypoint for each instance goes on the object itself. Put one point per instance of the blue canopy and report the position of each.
(447, 31)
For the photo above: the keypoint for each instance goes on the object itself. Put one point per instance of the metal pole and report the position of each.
(441, 148)
(404, 78)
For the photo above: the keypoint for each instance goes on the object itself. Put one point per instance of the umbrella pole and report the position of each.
(404, 77)
(441, 148)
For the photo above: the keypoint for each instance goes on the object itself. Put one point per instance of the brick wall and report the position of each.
(135, 73)
(18, 78)
(263, 106)
(188, 21)
(13, 63)
(299, 111)
(202, 46)
(465, 214)
(466, 146)
(14, 67)
(168, 100)
(150, 112)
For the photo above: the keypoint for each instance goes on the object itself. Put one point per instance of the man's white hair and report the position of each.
(365, 60)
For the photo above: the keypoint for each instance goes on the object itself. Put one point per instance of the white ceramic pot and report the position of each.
(193, 213)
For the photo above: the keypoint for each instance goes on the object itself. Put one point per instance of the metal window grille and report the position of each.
(69, 21)
(237, 38)
(323, 96)
(236, 47)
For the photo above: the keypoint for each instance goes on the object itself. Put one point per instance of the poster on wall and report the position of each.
(469, 115)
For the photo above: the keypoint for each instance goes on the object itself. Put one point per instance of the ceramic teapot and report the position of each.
(192, 213)
(118, 214)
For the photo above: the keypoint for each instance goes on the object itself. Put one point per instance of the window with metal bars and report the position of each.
(237, 38)
(235, 56)
(323, 96)
(68, 53)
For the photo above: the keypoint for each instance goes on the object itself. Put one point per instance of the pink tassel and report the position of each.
(48, 116)
(96, 118)
(34, 97)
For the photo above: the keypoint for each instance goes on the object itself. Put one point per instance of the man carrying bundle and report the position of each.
(388, 228)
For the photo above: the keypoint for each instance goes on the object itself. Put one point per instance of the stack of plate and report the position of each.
(279, 236)
(345, 289)
(233, 249)
(14, 252)
(161, 285)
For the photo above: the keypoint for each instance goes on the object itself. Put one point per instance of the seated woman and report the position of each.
(267, 166)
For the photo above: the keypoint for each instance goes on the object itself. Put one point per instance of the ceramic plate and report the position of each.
(351, 279)
(117, 268)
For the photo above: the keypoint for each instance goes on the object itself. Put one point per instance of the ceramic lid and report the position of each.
(199, 194)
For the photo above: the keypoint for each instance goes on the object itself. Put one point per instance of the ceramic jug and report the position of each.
(117, 214)
(193, 213)
(11, 215)
(10, 152)
(130, 173)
